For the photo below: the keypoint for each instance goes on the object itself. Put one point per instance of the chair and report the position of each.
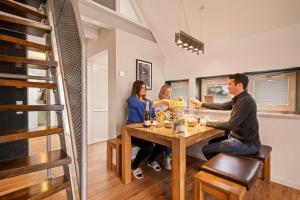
(264, 155)
(226, 177)
(115, 143)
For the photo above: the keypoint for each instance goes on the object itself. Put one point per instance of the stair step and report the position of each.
(25, 77)
(29, 133)
(20, 9)
(36, 3)
(39, 191)
(22, 44)
(39, 64)
(28, 108)
(22, 25)
(33, 163)
(16, 83)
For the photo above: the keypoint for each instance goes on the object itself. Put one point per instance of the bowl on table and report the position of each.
(177, 105)
(192, 123)
(178, 109)
(168, 124)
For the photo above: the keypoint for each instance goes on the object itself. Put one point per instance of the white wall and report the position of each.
(107, 40)
(123, 50)
(265, 51)
(129, 48)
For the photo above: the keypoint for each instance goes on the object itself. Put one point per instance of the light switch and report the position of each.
(122, 73)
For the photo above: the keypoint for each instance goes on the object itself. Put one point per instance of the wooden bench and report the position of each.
(226, 177)
(115, 143)
(264, 156)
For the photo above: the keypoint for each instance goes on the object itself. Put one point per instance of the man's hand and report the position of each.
(203, 122)
(195, 103)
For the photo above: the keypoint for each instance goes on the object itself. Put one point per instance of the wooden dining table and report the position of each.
(167, 137)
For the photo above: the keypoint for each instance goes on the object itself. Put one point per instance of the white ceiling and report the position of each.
(219, 20)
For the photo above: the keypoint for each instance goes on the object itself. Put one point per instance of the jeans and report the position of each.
(146, 150)
(168, 151)
(228, 145)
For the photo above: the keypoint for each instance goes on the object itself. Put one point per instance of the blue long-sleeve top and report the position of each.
(136, 110)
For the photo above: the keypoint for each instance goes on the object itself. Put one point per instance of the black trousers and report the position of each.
(147, 149)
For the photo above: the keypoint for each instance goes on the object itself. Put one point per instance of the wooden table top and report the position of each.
(169, 134)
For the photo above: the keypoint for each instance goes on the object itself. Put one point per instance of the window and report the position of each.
(180, 89)
(274, 92)
(277, 91)
(214, 90)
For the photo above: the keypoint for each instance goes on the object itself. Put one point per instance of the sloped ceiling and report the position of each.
(218, 20)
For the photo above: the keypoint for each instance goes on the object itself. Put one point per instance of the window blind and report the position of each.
(271, 92)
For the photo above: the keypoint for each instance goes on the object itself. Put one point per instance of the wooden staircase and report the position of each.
(32, 19)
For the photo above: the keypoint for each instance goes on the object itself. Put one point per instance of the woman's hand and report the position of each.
(196, 103)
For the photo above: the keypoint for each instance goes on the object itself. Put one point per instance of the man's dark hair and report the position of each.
(240, 78)
(136, 87)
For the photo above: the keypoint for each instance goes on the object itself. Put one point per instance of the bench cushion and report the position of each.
(240, 170)
(263, 154)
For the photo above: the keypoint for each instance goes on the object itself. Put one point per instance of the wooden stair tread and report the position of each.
(36, 3)
(39, 191)
(19, 43)
(17, 83)
(40, 64)
(23, 25)
(33, 163)
(20, 9)
(23, 134)
(27, 108)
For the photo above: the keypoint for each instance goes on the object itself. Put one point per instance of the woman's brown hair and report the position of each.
(136, 87)
(163, 90)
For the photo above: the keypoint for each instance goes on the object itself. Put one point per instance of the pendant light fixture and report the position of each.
(186, 41)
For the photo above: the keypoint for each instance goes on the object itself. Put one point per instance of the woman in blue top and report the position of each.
(136, 110)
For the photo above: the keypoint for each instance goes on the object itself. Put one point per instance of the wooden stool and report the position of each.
(114, 143)
(226, 177)
(264, 155)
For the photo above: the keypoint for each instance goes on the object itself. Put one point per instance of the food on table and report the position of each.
(161, 116)
(177, 105)
(191, 121)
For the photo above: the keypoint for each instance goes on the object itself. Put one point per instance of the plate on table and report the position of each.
(152, 123)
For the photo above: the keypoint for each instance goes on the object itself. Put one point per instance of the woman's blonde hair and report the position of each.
(163, 90)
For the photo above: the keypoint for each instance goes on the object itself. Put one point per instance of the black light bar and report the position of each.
(189, 43)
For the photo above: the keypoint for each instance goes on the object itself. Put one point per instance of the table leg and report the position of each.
(126, 156)
(178, 168)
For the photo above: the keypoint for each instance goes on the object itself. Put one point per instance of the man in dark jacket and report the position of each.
(242, 137)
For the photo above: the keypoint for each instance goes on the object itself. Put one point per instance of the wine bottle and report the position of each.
(147, 117)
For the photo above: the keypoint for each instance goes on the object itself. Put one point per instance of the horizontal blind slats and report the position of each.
(274, 92)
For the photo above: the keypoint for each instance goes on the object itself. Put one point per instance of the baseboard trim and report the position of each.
(286, 182)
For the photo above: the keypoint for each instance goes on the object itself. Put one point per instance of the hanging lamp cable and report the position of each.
(188, 28)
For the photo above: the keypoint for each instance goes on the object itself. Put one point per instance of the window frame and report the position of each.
(296, 106)
(212, 81)
(290, 76)
(178, 81)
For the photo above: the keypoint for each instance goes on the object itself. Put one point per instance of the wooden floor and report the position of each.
(105, 185)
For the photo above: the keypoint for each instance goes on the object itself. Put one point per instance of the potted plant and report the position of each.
(179, 124)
